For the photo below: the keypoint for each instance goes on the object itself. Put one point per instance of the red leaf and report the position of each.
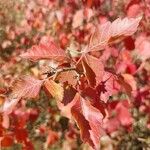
(123, 113)
(125, 83)
(33, 114)
(107, 87)
(93, 96)
(26, 87)
(7, 141)
(100, 37)
(89, 3)
(21, 117)
(97, 67)
(89, 73)
(55, 89)
(111, 125)
(129, 79)
(126, 26)
(108, 32)
(142, 45)
(82, 123)
(45, 50)
(68, 76)
(94, 117)
(66, 109)
(124, 60)
(134, 10)
(129, 43)
(89, 120)
(69, 94)
(28, 146)
(21, 135)
(118, 115)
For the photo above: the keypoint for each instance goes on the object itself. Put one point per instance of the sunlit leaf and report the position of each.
(26, 87)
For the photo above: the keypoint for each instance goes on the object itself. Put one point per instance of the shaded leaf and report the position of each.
(69, 94)
(129, 43)
(89, 73)
(92, 95)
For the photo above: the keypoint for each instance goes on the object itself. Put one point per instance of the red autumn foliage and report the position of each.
(96, 55)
